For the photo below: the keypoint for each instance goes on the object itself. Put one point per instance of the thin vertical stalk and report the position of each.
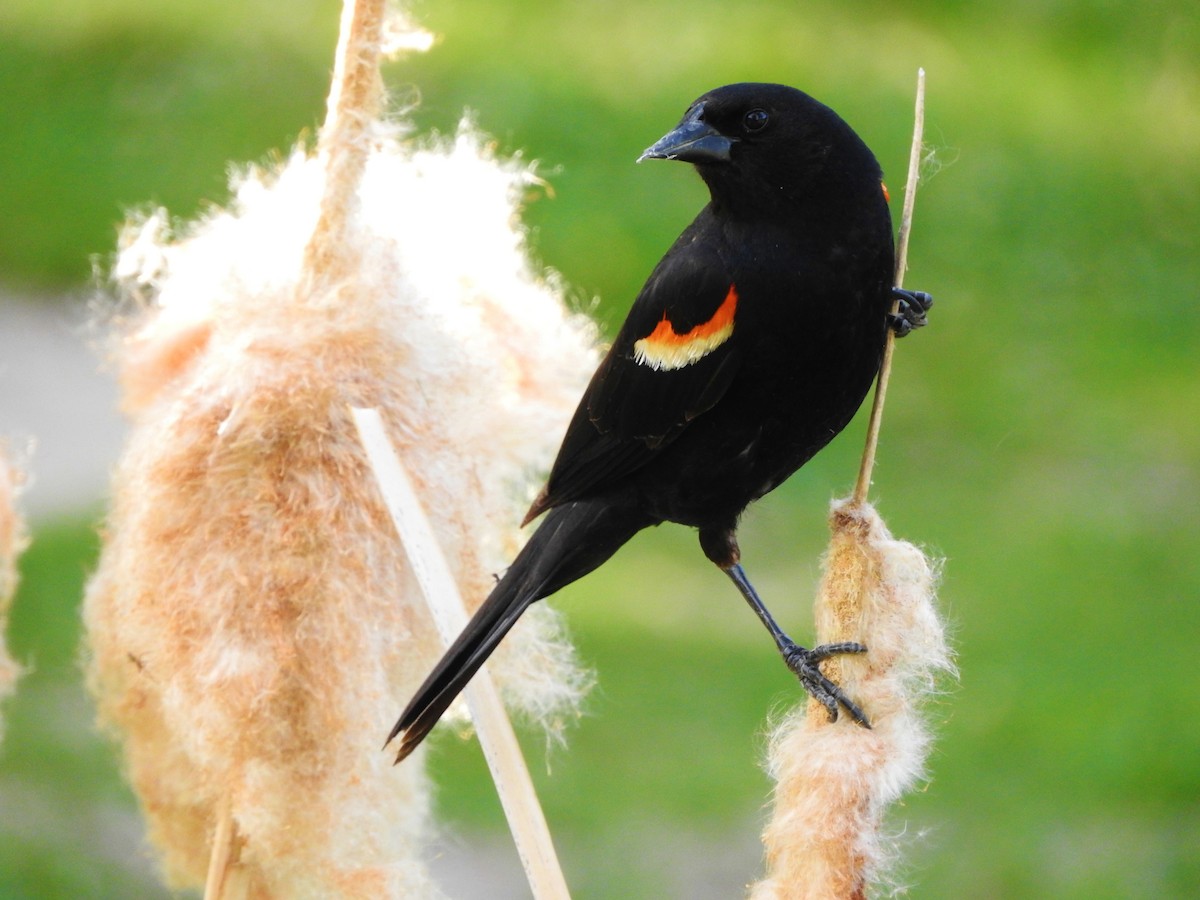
(863, 485)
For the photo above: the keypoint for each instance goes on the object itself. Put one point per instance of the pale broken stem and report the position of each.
(222, 852)
(496, 736)
(863, 486)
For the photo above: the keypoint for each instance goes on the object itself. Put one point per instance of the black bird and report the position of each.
(750, 347)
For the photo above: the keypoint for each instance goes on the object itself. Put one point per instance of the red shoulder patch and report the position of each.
(666, 348)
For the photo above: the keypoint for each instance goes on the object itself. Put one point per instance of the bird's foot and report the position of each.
(910, 311)
(805, 662)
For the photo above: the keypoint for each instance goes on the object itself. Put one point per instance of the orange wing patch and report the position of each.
(887, 195)
(665, 348)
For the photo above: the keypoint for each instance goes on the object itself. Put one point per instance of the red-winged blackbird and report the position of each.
(751, 345)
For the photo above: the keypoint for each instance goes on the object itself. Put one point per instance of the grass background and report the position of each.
(1043, 435)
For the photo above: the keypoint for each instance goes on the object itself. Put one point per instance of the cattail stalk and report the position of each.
(343, 144)
(836, 780)
(863, 486)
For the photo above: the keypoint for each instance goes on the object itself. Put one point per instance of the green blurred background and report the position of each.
(1043, 435)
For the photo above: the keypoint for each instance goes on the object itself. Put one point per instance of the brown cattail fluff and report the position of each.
(254, 626)
(834, 781)
(12, 542)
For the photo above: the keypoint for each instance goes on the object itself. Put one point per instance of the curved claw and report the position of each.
(830, 703)
(816, 654)
(911, 307)
(804, 663)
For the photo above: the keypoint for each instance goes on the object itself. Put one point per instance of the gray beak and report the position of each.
(692, 140)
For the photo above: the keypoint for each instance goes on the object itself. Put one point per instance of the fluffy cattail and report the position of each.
(12, 542)
(834, 781)
(254, 626)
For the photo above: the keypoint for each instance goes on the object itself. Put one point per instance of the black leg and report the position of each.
(803, 662)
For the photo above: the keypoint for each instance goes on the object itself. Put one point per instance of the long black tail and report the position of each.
(572, 540)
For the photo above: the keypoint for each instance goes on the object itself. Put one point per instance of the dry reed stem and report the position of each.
(863, 486)
(496, 736)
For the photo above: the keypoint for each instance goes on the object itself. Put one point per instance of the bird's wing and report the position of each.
(672, 360)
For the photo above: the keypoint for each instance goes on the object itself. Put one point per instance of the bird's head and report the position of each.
(769, 145)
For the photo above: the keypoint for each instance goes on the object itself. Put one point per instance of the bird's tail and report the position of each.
(572, 540)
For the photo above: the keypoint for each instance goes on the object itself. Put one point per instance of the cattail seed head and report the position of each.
(835, 780)
(253, 626)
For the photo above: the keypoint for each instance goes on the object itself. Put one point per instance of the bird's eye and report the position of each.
(755, 120)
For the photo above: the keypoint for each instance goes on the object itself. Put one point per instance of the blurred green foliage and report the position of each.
(1043, 434)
